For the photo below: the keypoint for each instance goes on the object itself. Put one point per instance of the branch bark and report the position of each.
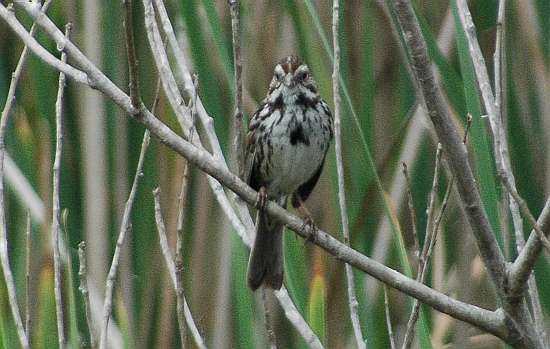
(56, 206)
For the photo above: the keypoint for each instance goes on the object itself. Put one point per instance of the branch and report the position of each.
(125, 227)
(429, 241)
(352, 298)
(172, 268)
(523, 266)
(238, 68)
(452, 144)
(56, 209)
(388, 318)
(28, 248)
(180, 299)
(83, 287)
(131, 52)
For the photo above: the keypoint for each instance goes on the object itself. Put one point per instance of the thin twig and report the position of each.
(423, 256)
(28, 248)
(125, 227)
(180, 304)
(169, 260)
(56, 205)
(432, 228)
(238, 68)
(526, 212)
(388, 318)
(131, 52)
(268, 323)
(412, 212)
(352, 299)
(179, 257)
(83, 275)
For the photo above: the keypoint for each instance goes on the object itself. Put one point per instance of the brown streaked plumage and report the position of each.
(288, 139)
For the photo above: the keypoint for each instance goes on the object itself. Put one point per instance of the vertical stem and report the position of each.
(56, 205)
(352, 299)
(28, 248)
(82, 273)
(180, 307)
(388, 318)
(124, 228)
(131, 53)
(237, 64)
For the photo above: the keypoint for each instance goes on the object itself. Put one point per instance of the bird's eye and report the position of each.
(302, 75)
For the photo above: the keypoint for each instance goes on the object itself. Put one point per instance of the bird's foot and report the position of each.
(261, 199)
(310, 229)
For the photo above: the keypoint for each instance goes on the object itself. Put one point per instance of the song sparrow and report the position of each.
(288, 139)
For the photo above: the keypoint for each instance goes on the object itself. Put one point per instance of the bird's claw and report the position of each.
(261, 199)
(310, 229)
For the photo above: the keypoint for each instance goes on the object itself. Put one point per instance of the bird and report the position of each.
(288, 138)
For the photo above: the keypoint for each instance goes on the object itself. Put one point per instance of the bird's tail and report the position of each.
(266, 263)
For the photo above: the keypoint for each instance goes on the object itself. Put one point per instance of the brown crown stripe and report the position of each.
(290, 63)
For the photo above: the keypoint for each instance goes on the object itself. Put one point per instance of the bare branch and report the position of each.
(524, 263)
(131, 52)
(388, 318)
(161, 227)
(352, 298)
(238, 68)
(180, 300)
(28, 250)
(180, 307)
(424, 256)
(125, 227)
(56, 209)
(412, 211)
(452, 145)
(83, 275)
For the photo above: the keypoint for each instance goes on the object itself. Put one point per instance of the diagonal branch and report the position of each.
(452, 144)
(171, 266)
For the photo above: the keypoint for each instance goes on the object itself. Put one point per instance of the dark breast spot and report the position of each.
(297, 135)
(277, 104)
(306, 102)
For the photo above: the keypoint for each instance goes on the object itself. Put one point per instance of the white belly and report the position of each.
(298, 150)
